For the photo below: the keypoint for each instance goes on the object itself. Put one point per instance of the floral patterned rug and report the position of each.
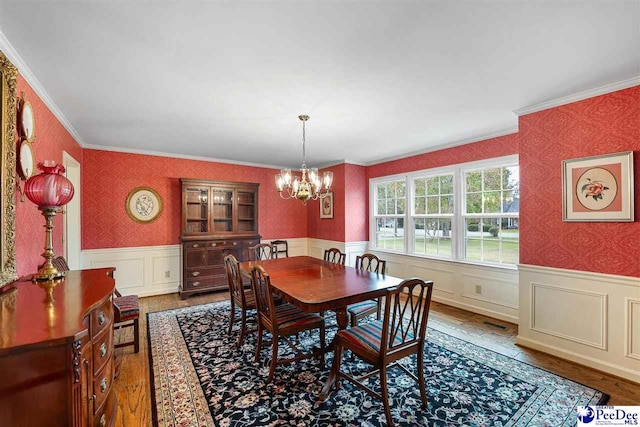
(200, 378)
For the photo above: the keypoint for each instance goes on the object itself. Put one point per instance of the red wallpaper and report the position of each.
(329, 229)
(51, 139)
(356, 203)
(108, 177)
(487, 149)
(600, 125)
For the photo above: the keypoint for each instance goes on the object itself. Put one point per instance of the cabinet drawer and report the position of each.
(101, 317)
(200, 273)
(206, 283)
(196, 245)
(224, 244)
(102, 384)
(102, 349)
(249, 243)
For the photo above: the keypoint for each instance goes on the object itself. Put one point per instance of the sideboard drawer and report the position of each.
(102, 349)
(101, 317)
(200, 273)
(102, 384)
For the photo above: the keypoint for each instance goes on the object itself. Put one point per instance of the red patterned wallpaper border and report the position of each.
(604, 124)
(51, 140)
(109, 176)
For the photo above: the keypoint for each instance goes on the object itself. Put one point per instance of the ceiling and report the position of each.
(380, 79)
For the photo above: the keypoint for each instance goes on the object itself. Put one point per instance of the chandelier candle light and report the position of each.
(308, 185)
(49, 190)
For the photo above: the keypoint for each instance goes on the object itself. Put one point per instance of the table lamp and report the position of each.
(49, 190)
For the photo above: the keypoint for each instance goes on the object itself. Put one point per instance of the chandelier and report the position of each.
(308, 185)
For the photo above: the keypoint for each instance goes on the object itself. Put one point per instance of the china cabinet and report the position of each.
(218, 218)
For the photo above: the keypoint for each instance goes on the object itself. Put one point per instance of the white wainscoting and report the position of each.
(144, 271)
(589, 318)
(484, 290)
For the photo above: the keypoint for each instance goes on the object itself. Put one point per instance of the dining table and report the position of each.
(315, 285)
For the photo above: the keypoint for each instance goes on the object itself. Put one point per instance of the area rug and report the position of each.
(200, 378)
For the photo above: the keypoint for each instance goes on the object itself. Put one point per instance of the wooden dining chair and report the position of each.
(281, 247)
(367, 262)
(383, 343)
(282, 321)
(262, 251)
(239, 296)
(334, 256)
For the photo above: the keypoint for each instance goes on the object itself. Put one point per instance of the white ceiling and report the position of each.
(380, 79)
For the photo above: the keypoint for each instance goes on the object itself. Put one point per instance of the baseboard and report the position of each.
(628, 374)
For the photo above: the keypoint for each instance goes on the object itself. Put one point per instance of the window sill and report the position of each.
(508, 267)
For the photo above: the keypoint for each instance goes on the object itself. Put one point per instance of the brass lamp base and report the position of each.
(48, 276)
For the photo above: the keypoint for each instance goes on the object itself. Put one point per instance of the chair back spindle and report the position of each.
(261, 284)
(334, 256)
(406, 316)
(232, 266)
(370, 262)
(262, 251)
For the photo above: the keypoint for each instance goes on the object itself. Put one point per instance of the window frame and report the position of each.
(458, 219)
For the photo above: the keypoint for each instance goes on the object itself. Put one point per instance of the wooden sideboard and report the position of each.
(57, 360)
(218, 218)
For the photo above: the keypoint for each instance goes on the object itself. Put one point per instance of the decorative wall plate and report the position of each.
(27, 121)
(143, 205)
(26, 160)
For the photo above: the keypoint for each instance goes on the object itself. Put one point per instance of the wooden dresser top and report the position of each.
(26, 320)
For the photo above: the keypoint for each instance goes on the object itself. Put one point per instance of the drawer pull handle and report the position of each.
(214, 244)
(195, 284)
(101, 318)
(195, 273)
(92, 397)
(235, 243)
(103, 385)
(195, 245)
(103, 420)
(103, 349)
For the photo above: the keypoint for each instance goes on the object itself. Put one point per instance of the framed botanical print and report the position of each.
(143, 205)
(326, 206)
(598, 188)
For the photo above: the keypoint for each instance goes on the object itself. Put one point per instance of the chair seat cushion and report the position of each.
(367, 336)
(127, 308)
(363, 307)
(290, 316)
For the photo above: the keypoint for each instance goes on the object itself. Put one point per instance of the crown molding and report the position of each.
(180, 156)
(31, 79)
(503, 132)
(602, 90)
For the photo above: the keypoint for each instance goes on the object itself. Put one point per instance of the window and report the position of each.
(464, 212)
(432, 215)
(491, 214)
(390, 202)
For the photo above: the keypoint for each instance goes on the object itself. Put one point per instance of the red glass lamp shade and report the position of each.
(50, 188)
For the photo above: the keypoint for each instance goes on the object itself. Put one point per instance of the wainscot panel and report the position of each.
(144, 271)
(484, 290)
(588, 318)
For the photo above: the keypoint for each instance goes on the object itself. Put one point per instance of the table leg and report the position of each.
(342, 318)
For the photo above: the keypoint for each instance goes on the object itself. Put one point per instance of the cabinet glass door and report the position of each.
(222, 209)
(246, 211)
(197, 209)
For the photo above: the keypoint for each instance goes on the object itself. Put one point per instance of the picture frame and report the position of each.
(326, 206)
(143, 205)
(598, 188)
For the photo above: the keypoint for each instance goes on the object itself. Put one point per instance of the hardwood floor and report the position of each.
(133, 385)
